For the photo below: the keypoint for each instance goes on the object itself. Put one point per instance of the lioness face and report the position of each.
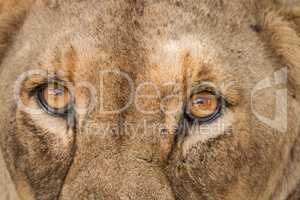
(145, 100)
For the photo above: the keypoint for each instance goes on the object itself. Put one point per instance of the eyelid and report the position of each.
(231, 96)
(31, 83)
(204, 88)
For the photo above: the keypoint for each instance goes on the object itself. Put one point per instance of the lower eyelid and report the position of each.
(200, 134)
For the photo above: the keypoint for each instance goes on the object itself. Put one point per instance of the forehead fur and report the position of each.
(133, 39)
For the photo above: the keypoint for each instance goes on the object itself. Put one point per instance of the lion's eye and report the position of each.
(204, 106)
(55, 99)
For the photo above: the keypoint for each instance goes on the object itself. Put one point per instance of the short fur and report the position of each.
(186, 42)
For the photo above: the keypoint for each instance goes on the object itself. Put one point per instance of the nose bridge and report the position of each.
(111, 165)
(118, 177)
(144, 182)
(143, 138)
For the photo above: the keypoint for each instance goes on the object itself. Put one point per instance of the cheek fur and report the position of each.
(202, 133)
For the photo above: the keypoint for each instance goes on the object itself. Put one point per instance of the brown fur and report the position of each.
(231, 44)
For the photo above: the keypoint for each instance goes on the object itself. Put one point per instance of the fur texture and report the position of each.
(165, 49)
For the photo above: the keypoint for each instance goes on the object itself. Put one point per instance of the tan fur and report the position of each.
(12, 14)
(166, 49)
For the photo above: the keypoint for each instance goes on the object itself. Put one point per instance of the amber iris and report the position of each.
(55, 98)
(204, 106)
